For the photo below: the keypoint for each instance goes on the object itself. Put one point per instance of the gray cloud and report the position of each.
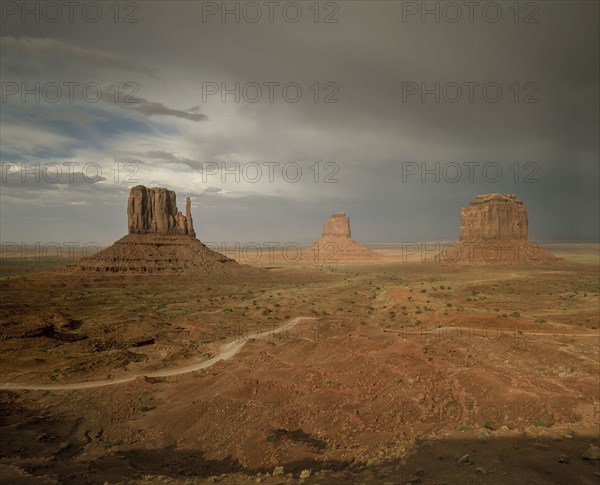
(44, 177)
(153, 108)
(57, 50)
(369, 133)
(163, 157)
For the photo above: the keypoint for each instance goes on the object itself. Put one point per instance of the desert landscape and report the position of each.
(299, 242)
(385, 369)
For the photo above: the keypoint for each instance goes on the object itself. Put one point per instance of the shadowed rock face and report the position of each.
(338, 225)
(494, 217)
(154, 211)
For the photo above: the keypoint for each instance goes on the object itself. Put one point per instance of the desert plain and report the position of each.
(398, 370)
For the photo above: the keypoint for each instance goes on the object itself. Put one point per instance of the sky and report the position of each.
(272, 116)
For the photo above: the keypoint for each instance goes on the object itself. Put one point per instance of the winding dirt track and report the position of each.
(226, 351)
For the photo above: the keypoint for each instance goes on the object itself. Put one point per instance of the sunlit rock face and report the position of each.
(494, 216)
(155, 211)
(338, 225)
(494, 229)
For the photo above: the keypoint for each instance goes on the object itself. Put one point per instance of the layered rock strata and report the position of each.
(161, 240)
(494, 229)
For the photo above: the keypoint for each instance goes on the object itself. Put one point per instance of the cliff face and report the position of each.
(494, 217)
(338, 225)
(154, 211)
(494, 229)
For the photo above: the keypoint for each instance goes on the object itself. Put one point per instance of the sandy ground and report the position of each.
(408, 372)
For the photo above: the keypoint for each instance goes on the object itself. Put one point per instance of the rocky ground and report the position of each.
(410, 373)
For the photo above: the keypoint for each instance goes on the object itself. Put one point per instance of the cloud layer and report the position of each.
(541, 132)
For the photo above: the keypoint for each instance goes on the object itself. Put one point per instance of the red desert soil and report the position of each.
(409, 373)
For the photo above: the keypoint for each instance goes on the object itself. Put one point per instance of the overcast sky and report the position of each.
(141, 101)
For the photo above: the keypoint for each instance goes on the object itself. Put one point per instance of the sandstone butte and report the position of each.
(160, 240)
(336, 243)
(494, 229)
(155, 211)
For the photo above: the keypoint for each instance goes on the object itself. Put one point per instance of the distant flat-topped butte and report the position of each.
(494, 229)
(336, 243)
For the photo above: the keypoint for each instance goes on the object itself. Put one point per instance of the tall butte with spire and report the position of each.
(160, 240)
(494, 229)
(155, 211)
(336, 243)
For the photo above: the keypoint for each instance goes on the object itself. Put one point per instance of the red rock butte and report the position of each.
(161, 240)
(336, 243)
(494, 216)
(155, 211)
(494, 229)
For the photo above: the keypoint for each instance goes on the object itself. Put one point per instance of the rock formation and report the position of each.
(494, 216)
(336, 244)
(494, 229)
(338, 225)
(161, 240)
(155, 211)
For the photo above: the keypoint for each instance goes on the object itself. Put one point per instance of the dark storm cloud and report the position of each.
(57, 50)
(369, 54)
(25, 56)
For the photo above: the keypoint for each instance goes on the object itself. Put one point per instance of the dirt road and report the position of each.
(226, 351)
